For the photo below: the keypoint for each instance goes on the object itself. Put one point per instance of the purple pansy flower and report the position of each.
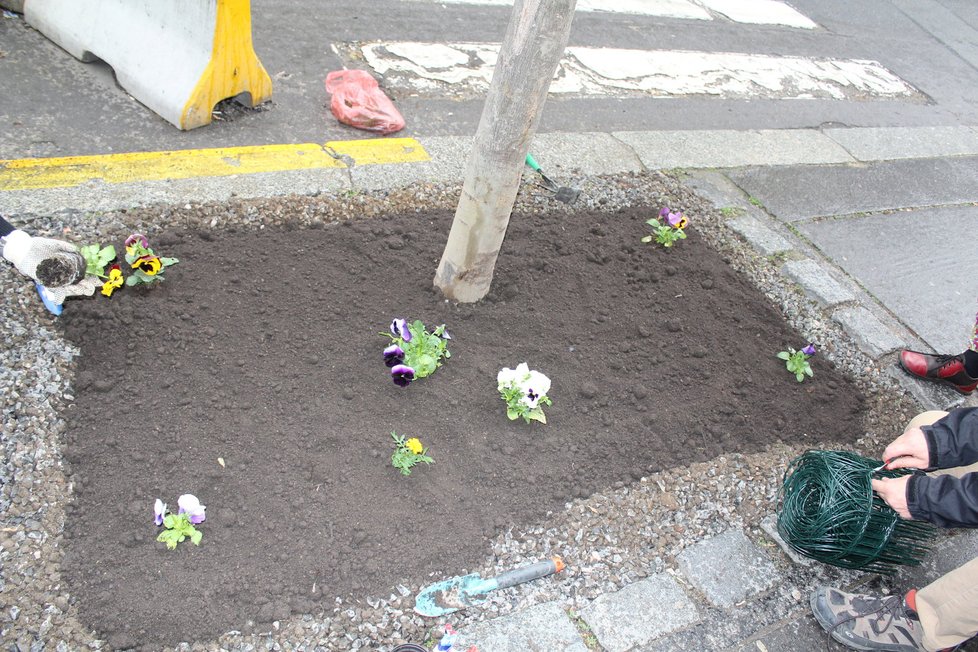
(159, 511)
(664, 212)
(402, 375)
(137, 237)
(399, 329)
(809, 350)
(393, 355)
(676, 220)
(190, 505)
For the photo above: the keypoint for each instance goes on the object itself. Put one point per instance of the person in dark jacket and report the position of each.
(942, 614)
(55, 266)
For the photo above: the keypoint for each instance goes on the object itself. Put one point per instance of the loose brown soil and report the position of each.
(262, 349)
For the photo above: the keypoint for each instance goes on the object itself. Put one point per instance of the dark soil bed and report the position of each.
(262, 349)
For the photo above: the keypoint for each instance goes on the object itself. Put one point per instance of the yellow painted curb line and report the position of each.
(35, 173)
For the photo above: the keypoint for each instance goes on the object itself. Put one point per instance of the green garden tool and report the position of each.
(561, 193)
(460, 592)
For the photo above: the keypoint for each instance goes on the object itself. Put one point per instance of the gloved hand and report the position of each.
(54, 264)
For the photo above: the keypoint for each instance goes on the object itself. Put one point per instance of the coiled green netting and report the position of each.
(829, 512)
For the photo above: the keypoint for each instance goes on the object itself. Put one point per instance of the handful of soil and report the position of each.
(62, 268)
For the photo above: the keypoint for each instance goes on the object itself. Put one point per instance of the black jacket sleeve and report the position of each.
(5, 227)
(953, 440)
(946, 500)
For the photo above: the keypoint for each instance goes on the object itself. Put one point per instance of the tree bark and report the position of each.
(535, 40)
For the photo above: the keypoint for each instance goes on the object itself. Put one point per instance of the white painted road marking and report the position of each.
(759, 12)
(762, 12)
(467, 67)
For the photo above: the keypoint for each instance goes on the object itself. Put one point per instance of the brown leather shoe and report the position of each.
(948, 369)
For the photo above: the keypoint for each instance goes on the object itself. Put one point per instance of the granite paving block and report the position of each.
(717, 188)
(639, 613)
(728, 568)
(872, 336)
(919, 264)
(816, 282)
(770, 526)
(540, 627)
(730, 148)
(794, 193)
(887, 143)
(761, 238)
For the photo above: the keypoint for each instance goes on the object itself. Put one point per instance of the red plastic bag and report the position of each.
(359, 102)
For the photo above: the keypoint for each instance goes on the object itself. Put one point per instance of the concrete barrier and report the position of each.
(178, 57)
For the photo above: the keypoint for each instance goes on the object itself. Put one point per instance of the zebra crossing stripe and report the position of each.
(761, 12)
(436, 68)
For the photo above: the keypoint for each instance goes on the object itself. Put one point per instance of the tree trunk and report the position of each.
(535, 40)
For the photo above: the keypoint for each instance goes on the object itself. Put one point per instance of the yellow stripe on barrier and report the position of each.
(35, 173)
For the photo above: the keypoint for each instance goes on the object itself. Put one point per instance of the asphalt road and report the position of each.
(53, 105)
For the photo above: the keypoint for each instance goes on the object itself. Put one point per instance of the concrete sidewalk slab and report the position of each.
(919, 264)
(540, 627)
(947, 554)
(727, 148)
(891, 143)
(584, 153)
(639, 613)
(799, 634)
(449, 156)
(800, 192)
(97, 196)
(728, 568)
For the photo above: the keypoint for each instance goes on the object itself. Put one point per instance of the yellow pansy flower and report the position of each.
(148, 265)
(414, 445)
(114, 281)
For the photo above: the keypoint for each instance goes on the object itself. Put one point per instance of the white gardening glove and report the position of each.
(54, 264)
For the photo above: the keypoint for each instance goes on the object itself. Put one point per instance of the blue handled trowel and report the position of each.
(460, 592)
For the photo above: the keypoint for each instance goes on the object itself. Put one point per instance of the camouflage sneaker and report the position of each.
(867, 622)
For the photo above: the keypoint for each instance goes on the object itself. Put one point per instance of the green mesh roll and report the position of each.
(829, 512)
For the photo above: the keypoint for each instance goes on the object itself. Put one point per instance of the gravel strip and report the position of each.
(608, 540)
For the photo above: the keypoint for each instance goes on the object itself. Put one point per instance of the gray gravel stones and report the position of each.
(609, 540)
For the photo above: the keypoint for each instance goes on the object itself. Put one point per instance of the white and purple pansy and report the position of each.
(536, 385)
(399, 328)
(191, 506)
(159, 511)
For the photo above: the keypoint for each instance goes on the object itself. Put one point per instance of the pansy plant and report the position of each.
(414, 352)
(797, 361)
(96, 258)
(180, 526)
(668, 227)
(407, 453)
(525, 392)
(146, 266)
